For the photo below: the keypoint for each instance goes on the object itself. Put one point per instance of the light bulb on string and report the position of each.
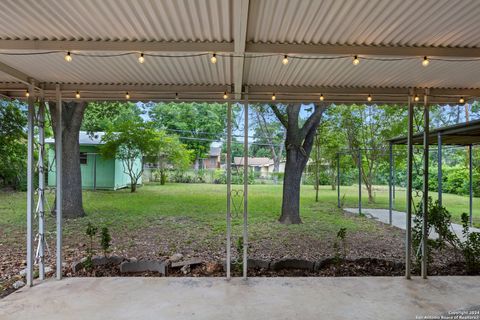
(461, 100)
(285, 60)
(176, 95)
(68, 57)
(225, 95)
(322, 97)
(274, 97)
(355, 61)
(425, 61)
(369, 98)
(141, 59)
(77, 95)
(27, 94)
(213, 59)
(127, 96)
(416, 98)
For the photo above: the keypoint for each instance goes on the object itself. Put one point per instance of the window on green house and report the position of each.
(83, 158)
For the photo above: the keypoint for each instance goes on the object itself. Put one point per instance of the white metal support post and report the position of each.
(245, 187)
(30, 186)
(408, 233)
(439, 168)
(41, 190)
(228, 161)
(426, 145)
(58, 170)
(470, 183)
(390, 184)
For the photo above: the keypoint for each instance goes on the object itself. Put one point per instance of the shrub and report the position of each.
(471, 246)
(105, 240)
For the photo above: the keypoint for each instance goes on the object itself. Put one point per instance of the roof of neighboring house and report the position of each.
(253, 161)
(85, 139)
(215, 151)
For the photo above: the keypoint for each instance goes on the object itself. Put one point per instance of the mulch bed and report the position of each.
(376, 253)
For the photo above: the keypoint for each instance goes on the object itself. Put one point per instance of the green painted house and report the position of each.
(97, 172)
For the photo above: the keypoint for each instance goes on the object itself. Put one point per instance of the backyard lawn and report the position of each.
(159, 221)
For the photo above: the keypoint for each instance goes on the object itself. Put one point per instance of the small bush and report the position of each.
(105, 240)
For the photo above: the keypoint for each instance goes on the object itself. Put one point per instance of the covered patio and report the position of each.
(239, 52)
(258, 298)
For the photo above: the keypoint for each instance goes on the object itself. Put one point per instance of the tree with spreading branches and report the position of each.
(298, 145)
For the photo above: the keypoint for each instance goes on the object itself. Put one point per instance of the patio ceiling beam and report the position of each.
(230, 47)
(20, 76)
(10, 87)
(139, 46)
(240, 36)
(333, 49)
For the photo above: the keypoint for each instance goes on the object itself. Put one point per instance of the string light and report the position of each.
(321, 97)
(273, 97)
(127, 96)
(225, 95)
(27, 94)
(213, 59)
(369, 98)
(425, 61)
(285, 60)
(416, 98)
(77, 95)
(176, 95)
(461, 100)
(141, 59)
(355, 61)
(68, 57)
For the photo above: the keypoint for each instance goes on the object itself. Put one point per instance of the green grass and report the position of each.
(202, 203)
(455, 204)
(206, 204)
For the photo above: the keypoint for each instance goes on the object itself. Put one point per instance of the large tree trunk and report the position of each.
(72, 116)
(299, 143)
(291, 187)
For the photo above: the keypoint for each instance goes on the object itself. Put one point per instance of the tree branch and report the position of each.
(313, 120)
(279, 115)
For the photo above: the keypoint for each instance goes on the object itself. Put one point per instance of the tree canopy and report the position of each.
(198, 124)
(100, 115)
(13, 147)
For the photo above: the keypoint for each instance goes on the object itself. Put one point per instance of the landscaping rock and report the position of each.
(99, 261)
(176, 257)
(115, 260)
(23, 272)
(292, 264)
(186, 269)
(258, 264)
(322, 263)
(48, 269)
(18, 284)
(77, 266)
(192, 262)
(142, 266)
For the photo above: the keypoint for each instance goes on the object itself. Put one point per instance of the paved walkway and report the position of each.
(257, 298)
(399, 220)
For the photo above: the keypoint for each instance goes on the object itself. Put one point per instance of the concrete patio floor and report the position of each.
(256, 298)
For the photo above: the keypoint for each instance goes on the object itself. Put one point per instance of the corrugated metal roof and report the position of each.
(123, 69)
(410, 23)
(6, 78)
(438, 23)
(369, 73)
(114, 20)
